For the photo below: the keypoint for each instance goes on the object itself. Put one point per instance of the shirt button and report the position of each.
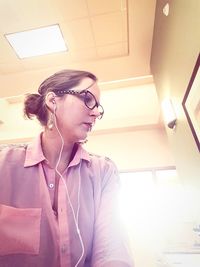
(51, 186)
(55, 213)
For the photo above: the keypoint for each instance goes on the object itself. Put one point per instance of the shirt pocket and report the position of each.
(19, 230)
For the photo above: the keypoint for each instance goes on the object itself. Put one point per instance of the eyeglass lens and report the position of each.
(91, 103)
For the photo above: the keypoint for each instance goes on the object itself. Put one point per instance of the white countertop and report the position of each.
(179, 260)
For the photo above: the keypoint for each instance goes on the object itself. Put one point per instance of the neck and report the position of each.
(51, 146)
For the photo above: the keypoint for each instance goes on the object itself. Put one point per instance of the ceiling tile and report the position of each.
(85, 54)
(118, 49)
(73, 9)
(78, 34)
(96, 32)
(25, 15)
(110, 28)
(97, 7)
(8, 68)
(46, 61)
(61, 60)
(7, 53)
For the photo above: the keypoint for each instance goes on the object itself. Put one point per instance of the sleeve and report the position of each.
(110, 247)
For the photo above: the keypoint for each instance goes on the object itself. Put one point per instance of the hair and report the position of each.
(34, 104)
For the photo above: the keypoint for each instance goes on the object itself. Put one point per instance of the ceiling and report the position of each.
(112, 39)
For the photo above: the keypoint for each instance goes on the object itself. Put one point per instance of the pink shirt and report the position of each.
(37, 228)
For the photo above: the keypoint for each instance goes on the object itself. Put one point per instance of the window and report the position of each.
(148, 202)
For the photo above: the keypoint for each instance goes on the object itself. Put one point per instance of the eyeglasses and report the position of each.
(87, 97)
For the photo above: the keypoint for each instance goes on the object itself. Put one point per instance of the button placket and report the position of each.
(63, 226)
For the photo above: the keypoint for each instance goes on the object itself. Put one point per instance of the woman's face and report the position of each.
(74, 119)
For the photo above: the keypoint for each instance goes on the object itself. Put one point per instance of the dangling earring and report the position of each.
(50, 123)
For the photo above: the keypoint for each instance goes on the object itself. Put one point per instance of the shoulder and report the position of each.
(101, 161)
(12, 152)
(13, 146)
(103, 168)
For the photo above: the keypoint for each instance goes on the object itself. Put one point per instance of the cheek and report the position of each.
(72, 113)
(77, 115)
(80, 111)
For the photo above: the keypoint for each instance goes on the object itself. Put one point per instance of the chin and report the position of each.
(81, 137)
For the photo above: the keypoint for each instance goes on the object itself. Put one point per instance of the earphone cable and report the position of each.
(66, 189)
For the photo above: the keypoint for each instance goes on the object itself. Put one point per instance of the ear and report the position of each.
(50, 101)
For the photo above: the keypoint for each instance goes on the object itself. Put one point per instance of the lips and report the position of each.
(89, 125)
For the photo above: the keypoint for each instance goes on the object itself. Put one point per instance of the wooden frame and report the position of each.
(191, 102)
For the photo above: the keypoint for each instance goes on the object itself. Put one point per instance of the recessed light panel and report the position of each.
(37, 42)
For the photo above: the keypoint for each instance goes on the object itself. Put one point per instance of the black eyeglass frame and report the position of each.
(78, 93)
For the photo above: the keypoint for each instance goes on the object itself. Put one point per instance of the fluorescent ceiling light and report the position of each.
(37, 42)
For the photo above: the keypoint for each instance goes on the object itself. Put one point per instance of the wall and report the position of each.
(14, 127)
(176, 44)
(133, 150)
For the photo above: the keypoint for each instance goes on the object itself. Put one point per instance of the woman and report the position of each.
(57, 202)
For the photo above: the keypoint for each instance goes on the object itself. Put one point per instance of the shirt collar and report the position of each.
(81, 154)
(34, 154)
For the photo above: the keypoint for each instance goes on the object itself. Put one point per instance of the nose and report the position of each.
(95, 112)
